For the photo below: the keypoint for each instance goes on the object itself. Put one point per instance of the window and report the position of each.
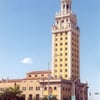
(55, 60)
(65, 59)
(60, 65)
(37, 88)
(66, 43)
(65, 64)
(55, 88)
(60, 59)
(56, 44)
(65, 70)
(56, 39)
(24, 96)
(65, 53)
(60, 54)
(67, 6)
(30, 96)
(62, 21)
(61, 38)
(30, 88)
(42, 75)
(63, 6)
(60, 49)
(55, 65)
(60, 70)
(55, 76)
(65, 75)
(60, 33)
(37, 97)
(55, 70)
(66, 32)
(45, 88)
(67, 19)
(60, 43)
(35, 75)
(57, 22)
(23, 88)
(56, 49)
(65, 48)
(29, 76)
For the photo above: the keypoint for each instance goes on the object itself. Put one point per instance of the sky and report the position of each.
(25, 38)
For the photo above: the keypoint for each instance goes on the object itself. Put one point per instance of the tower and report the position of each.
(65, 43)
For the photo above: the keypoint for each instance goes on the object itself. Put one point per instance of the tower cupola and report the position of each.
(66, 6)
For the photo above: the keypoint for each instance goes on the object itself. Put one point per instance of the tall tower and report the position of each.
(65, 44)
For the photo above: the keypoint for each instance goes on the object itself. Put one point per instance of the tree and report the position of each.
(5, 95)
(15, 92)
(12, 94)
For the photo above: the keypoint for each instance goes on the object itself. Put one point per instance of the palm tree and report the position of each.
(5, 95)
(12, 94)
(15, 92)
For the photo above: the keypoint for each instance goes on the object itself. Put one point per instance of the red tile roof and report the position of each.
(39, 72)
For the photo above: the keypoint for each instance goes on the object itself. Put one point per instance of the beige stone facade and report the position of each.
(36, 85)
(65, 41)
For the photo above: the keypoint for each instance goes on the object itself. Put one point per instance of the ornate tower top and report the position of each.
(66, 6)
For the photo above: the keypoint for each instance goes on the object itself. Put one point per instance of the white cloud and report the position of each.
(27, 60)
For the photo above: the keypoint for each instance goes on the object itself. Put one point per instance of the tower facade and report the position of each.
(65, 43)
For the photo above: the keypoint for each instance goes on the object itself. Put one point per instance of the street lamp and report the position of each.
(73, 97)
(48, 80)
(83, 90)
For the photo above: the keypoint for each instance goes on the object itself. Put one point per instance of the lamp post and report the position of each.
(73, 97)
(48, 80)
(83, 90)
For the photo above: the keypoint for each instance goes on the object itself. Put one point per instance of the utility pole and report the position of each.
(48, 80)
(73, 97)
(84, 91)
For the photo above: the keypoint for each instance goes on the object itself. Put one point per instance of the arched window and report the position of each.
(63, 6)
(67, 6)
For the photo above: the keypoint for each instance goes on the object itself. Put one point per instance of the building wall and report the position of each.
(62, 89)
(65, 44)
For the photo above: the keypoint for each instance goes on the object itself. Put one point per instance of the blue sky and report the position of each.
(25, 32)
